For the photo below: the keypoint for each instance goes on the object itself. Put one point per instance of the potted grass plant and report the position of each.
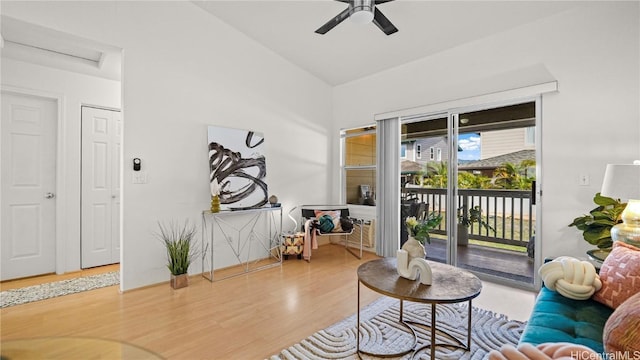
(178, 240)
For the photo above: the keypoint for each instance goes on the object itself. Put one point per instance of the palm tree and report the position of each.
(510, 176)
(436, 174)
(467, 180)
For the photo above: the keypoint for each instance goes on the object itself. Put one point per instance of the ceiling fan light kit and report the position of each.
(361, 12)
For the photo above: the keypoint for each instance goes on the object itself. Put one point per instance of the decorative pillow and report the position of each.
(346, 224)
(620, 332)
(325, 223)
(570, 277)
(335, 215)
(620, 275)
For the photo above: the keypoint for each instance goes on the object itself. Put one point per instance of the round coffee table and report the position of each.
(450, 285)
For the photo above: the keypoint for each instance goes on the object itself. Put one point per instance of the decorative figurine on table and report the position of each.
(413, 268)
(273, 200)
(215, 196)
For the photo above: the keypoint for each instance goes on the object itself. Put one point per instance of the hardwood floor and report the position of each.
(36, 280)
(247, 317)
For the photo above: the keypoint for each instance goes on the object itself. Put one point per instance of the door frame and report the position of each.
(452, 115)
(61, 195)
(537, 100)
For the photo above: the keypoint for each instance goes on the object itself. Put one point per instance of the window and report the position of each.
(432, 153)
(439, 155)
(530, 136)
(418, 151)
(403, 151)
(359, 164)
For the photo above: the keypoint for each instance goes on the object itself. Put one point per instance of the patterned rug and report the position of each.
(59, 288)
(380, 330)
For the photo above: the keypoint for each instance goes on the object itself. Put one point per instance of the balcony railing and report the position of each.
(509, 212)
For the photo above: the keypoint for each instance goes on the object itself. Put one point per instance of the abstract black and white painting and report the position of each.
(238, 164)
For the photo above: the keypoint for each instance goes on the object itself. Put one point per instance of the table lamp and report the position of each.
(622, 181)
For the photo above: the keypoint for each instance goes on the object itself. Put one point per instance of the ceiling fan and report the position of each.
(362, 12)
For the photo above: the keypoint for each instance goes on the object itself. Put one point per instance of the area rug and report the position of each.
(381, 330)
(58, 288)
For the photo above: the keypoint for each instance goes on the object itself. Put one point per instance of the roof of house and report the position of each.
(494, 162)
(410, 167)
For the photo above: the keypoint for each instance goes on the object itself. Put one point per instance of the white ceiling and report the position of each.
(350, 51)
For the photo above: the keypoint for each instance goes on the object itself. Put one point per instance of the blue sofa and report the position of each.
(555, 318)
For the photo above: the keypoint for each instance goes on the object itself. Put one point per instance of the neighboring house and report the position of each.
(502, 146)
(501, 142)
(486, 167)
(497, 147)
(417, 153)
(408, 169)
(424, 150)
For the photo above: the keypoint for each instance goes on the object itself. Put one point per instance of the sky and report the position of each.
(470, 144)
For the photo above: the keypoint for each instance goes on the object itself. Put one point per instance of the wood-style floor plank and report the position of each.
(37, 280)
(246, 317)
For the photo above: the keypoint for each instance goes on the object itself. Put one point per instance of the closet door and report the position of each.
(101, 134)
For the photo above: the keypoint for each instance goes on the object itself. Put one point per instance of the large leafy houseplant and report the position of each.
(179, 242)
(596, 226)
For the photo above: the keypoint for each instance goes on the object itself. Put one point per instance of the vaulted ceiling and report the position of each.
(351, 51)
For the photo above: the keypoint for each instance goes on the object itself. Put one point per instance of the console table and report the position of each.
(450, 285)
(248, 239)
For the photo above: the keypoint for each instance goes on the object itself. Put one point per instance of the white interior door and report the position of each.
(100, 223)
(28, 210)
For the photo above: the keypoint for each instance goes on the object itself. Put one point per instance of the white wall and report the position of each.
(76, 90)
(594, 119)
(184, 70)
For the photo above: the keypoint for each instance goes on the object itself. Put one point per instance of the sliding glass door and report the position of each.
(476, 167)
(426, 152)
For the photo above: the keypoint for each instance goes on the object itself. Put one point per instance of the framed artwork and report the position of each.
(237, 163)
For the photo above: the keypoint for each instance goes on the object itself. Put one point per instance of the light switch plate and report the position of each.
(584, 180)
(139, 177)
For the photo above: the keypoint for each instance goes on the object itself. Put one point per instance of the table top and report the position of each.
(450, 284)
(240, 211)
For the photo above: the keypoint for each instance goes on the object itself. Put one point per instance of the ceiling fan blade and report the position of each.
(381, 1)
(333, 22)
(383, 23)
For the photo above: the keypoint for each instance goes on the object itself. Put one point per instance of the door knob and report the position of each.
(49, 195)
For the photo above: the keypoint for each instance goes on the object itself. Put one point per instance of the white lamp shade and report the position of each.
(622, 181)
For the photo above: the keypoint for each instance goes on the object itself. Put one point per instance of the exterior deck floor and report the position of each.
(497, 262)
